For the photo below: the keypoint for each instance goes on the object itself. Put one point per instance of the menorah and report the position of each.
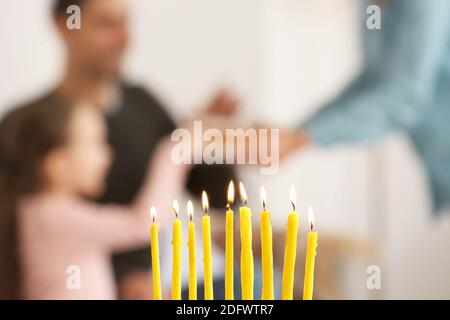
(246, 257)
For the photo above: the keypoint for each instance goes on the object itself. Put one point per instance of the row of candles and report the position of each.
(246, 260)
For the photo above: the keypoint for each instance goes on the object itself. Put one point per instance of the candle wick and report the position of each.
(293, 205)
(228, 206)
(312, 226)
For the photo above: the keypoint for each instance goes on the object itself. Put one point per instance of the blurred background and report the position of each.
(284, 58)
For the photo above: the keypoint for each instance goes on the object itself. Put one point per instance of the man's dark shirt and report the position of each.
(135, 129)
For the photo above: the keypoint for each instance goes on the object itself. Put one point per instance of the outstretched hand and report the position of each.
(291, 140)
(224, 103)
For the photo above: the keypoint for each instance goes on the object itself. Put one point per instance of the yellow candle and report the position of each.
(247, 268)
(310, 259)
(266, 251)
(176, 254)
(229, 246)
(290, 251)
(207, 254)
(155, 256)
(192, 254)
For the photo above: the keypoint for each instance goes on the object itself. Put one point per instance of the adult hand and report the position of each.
(292, 140)
(223, 103)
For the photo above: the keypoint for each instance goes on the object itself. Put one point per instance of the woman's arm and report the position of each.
(396, 94)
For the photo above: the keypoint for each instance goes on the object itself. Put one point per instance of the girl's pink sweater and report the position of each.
(66, 242)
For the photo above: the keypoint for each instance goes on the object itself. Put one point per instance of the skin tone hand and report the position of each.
(218, 115)
(292, 140)
(224, 103)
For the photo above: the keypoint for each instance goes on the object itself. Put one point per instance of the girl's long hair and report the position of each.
(26, 137)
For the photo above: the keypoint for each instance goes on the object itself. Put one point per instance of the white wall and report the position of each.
(285, 58)
(417, 256)
(30, 57)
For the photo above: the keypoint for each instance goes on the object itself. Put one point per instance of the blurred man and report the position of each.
(136, 119)
(403, 87)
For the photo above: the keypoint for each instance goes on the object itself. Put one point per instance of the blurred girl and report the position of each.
(53, 156)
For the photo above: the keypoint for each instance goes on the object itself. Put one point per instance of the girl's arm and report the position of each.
(119, 227)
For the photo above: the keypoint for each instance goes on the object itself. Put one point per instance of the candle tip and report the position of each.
(205, 203)
(190, 210)
(311, 217)
(176, 208)
(153, 214)
(243, 193)
(230, 195)
(263, 197)
(292, 196)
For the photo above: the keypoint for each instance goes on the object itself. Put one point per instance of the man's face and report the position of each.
(100, 44)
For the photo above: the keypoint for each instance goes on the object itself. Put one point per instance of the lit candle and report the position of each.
(207, 254)
(229, 252)
(192, 253)
(310, 259)
(247, 268)
(177, 244)
(266, 251)
(156, 273)
(290, 250)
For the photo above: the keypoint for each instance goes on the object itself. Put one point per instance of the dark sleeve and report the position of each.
(142, 121)
(212, 178)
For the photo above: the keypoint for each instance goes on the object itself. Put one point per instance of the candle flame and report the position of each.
(292, 196)
(243, 193)
(230, 196)
(263, 197)
(176, 208)
(190, 210)
(153, 214)
(311, 217)
(205, 203)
